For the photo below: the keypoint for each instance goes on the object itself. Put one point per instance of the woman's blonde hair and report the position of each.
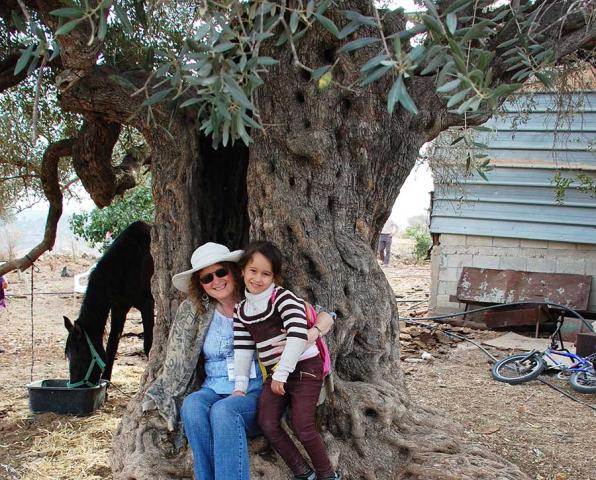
(196, 292)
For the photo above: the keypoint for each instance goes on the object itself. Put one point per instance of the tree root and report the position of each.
(377, 435)
(437, 452)
(384, 437)
(143, 449)
(51, 188)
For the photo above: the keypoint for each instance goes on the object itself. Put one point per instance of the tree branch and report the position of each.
(565, 32)
(584, 38)
(128, 171)
(51, 189)
(92, 159)
(7, 6)
(77, 55)
(18, 177)
(7, 77)
(104, 92)
(20, 164)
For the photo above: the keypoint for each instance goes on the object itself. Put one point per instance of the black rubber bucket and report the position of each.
(52, 395)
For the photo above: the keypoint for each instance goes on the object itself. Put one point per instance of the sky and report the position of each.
(414, 197)
(413, 201)
(407, 5)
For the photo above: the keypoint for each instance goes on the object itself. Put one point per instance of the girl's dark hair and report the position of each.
(269, 250)
(196, 290)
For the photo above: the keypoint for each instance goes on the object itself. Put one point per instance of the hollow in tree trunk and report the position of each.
(321, 181)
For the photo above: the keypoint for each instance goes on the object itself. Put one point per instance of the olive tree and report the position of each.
(295, 121)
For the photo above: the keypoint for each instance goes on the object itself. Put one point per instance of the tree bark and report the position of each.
(321, 181)
(200, 195)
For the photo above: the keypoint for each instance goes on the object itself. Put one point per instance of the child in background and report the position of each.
(268, 314)
(3, 286)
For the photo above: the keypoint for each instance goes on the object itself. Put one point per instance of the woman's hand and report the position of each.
(238, 393)
(278, 387)
(324, 323)
(311, 335)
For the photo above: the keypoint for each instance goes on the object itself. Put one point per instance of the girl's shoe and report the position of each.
(333, 476)
(310, 475)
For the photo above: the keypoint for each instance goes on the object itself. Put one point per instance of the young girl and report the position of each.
(266, 316)
(3, 286)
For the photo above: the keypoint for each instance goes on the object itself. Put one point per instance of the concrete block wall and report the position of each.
(458, 251)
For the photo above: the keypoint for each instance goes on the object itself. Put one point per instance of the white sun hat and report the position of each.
(208, 254)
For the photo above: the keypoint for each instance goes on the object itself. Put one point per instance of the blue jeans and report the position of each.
(216, 427)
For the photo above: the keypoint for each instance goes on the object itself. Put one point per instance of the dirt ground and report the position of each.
(48, 446)
(548, 435)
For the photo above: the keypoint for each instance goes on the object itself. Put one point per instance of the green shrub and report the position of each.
(420, 235)
(99, 227)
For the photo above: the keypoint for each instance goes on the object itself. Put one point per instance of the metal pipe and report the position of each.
(505, 305)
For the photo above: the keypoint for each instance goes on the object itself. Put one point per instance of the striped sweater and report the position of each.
(260, 331)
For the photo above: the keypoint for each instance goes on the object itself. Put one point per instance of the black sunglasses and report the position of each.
(219, 273)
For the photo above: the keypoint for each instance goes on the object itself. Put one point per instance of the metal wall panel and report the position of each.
(518, 201)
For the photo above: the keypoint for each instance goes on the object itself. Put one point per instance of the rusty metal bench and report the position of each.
(487, 286)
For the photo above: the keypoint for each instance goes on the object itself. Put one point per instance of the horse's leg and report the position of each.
(147, 313)
(117, 326)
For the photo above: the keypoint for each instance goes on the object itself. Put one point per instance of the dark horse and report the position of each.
(121, 280)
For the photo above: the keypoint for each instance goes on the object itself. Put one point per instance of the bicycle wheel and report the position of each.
(584, 382)
(518, 368)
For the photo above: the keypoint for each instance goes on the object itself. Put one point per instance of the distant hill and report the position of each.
(27, 231)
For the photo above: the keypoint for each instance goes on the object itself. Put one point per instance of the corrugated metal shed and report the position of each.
(518, 201)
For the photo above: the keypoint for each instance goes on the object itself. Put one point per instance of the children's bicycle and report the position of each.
(524, 367)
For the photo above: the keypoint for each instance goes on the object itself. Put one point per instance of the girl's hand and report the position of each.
(238, 393)
(278, 387)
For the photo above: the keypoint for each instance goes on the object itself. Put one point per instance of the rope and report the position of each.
(566, 394)
(32, 329)
(19, 295)
(118, 388)
(34, 268)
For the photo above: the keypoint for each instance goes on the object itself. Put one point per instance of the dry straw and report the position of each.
(66, 447)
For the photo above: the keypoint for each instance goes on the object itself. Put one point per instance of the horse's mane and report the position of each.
(116, 278)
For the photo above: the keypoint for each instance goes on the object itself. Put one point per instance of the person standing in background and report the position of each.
(385, 238)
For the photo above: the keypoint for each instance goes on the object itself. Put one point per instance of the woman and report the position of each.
(200, 352)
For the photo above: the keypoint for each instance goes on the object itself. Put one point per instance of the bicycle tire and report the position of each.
(583, 382)
(510, 371)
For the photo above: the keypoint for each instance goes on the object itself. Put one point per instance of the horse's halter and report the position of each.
(95, 360)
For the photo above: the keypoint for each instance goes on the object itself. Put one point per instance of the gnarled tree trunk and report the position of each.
(200, 193)
(321, 181)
